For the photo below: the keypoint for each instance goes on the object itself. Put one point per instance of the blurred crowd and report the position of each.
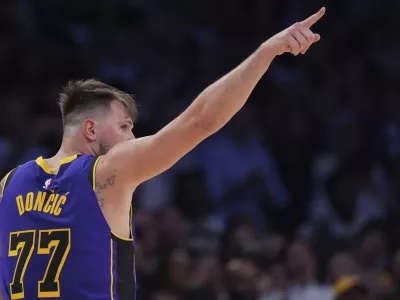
(296, 199)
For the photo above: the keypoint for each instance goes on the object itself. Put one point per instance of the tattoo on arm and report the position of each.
(101, 187)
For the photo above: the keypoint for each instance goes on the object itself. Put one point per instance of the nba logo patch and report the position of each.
(48, 183)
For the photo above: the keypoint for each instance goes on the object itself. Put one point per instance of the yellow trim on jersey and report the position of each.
(67, 160)
(111, 270)
(94, 173)
(49, 170)
(121, 238)
(130, 222)
(94, 188)
(44, 165)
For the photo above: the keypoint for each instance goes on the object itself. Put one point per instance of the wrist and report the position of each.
(269, 50)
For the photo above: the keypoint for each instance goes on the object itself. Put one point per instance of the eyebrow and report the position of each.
(127, 120)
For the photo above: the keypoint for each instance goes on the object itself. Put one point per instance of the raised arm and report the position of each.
(135, 161)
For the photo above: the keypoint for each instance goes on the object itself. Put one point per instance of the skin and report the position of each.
(126, 162)
(96, 136)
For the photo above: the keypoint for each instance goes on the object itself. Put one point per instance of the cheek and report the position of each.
(119, 137)
(113, 136)
(107, 140)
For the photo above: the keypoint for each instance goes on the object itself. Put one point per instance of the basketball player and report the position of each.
(66, 222)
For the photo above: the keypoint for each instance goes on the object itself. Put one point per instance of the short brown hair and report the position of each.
(80, 96)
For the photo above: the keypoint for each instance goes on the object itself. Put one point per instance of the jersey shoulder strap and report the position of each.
(92, 171)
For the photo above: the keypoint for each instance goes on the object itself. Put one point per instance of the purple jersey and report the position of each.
(54, 240)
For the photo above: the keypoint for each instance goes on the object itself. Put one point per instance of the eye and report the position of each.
(124, 127)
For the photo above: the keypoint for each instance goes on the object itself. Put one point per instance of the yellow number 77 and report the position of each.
(22, 244)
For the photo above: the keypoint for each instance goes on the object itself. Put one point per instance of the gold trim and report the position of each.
(44, 165)
(68, 159)
(94, 173)
(111, 270)
(121, 238)
(130, 222)
(130, 213)
(49, 170)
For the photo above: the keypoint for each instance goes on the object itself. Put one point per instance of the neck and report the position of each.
(70, 146)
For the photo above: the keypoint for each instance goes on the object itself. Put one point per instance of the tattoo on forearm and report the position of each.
(101, 187)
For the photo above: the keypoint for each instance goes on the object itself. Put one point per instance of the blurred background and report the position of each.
(299, 191)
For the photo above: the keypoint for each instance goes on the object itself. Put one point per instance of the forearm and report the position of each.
(219, 102)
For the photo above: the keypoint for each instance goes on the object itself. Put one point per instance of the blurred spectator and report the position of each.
(371, 254)
(301, 266)
(350, 288)
(239, 234)
(390, 288)
(301, 271)
(171, 228)
(242, 279)
(342, 264)
(241, 174)
(339, 214)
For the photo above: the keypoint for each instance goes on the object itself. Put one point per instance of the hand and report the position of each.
(297, 38)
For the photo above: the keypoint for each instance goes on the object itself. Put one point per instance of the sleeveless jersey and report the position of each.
(54, 240)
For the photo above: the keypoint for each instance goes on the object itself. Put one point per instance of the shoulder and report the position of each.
(79, 163)
(86, 161)
(5, 180)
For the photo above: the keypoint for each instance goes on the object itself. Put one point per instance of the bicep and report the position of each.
(138, 160)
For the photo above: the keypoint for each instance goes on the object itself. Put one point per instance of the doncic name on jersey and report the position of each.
(47, 202)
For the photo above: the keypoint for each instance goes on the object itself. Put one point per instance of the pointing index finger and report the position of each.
(311, 20)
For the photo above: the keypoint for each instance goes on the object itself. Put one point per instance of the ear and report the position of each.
(90, 129)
